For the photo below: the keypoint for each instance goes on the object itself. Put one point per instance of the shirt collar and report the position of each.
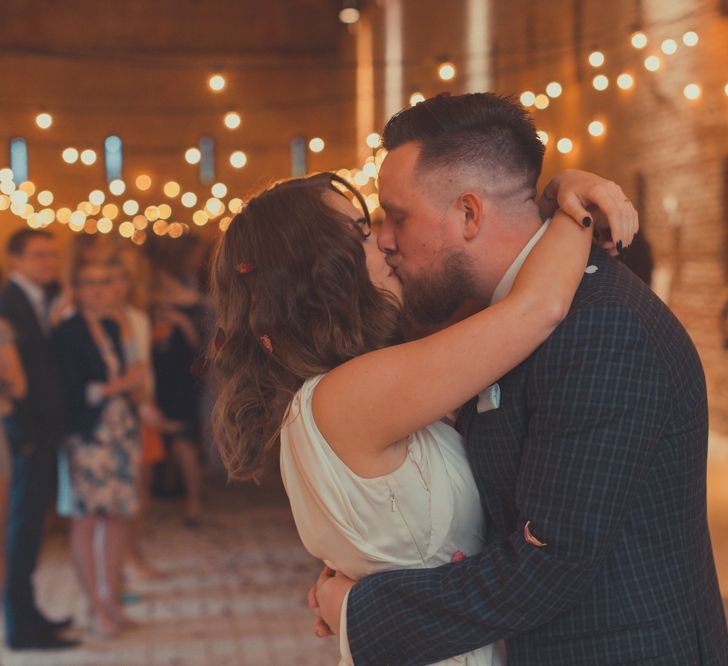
(506, 283)
(34, 292)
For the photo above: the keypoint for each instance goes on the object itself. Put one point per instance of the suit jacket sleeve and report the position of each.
(597, 399)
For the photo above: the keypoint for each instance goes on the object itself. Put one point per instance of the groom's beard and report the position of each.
(433, 298)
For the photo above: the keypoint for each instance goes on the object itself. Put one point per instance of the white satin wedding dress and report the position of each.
(418, 516)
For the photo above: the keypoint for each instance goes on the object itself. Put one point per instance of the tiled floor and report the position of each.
(234, 592)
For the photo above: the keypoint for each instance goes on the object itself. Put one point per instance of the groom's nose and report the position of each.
(385, 239)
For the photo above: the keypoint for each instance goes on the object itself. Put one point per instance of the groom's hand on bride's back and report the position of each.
(326, 598)
(320, 628)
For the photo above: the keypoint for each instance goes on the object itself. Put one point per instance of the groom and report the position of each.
(591, 469)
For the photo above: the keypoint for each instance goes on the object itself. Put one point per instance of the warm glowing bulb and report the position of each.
(110, 210)
(216, 82)
(7, 186)
(199, 217)
(446, 71)
(4, 202)
(370, 169)
(6, 174)
(316, 144)
(193, 155)
(554, 89)
(652, 63)
(28, 187)
(238, 159)
(143, 182)
(725, 90)
(70, 155)
(235, 205)
(692, 91)
(77, 219)
(104, 225)
(19, 199)
(416, 98)
(140, 222)
(219, 190)
(232, 120)
(127, 229)
(528, 98)
(596, 59)
(189, 199)
(165, 211)
(596, 128)
(171, 189)
(690, 38)
(668, 46)
(151, 213)
(373, 140)
(63, 215)
(542, 101)
(97, 197)
(88, 157)
(44, 120)
(543, 137)
(600, 82)
(361, 179)
(214, 207)
(130, 207)
(349, 15)
(639, 40)
(565, 145)
(625, 81)
(117, 187)
(160, 227)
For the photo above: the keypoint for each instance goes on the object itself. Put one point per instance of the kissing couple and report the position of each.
(489, 430)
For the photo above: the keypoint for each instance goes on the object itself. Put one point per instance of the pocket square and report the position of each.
(489, 399)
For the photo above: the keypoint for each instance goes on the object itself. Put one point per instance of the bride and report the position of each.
(310, 355)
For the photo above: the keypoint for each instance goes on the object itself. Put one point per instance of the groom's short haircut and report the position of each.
(483, 131)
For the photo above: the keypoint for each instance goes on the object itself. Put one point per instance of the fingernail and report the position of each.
(587, 222)
(620, 248)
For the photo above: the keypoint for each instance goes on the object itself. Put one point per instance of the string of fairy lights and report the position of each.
(117, 207)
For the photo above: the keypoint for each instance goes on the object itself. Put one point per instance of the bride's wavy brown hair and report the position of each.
(292, 268)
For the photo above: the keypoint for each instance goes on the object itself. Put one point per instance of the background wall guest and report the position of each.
(177, 315)
(103, 446)
(34, 430)
(13, 386)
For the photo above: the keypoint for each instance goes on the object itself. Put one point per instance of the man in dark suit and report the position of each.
(34, 430)
(592, 467)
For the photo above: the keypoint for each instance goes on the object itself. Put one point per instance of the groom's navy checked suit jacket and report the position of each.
(601, 442)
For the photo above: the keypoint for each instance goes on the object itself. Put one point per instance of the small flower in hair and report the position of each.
(220, 339)
(267, 344)
(244, 268)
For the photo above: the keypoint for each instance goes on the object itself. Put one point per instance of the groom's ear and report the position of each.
(472, 210)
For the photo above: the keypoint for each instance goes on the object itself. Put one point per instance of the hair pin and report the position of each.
(245, 268)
